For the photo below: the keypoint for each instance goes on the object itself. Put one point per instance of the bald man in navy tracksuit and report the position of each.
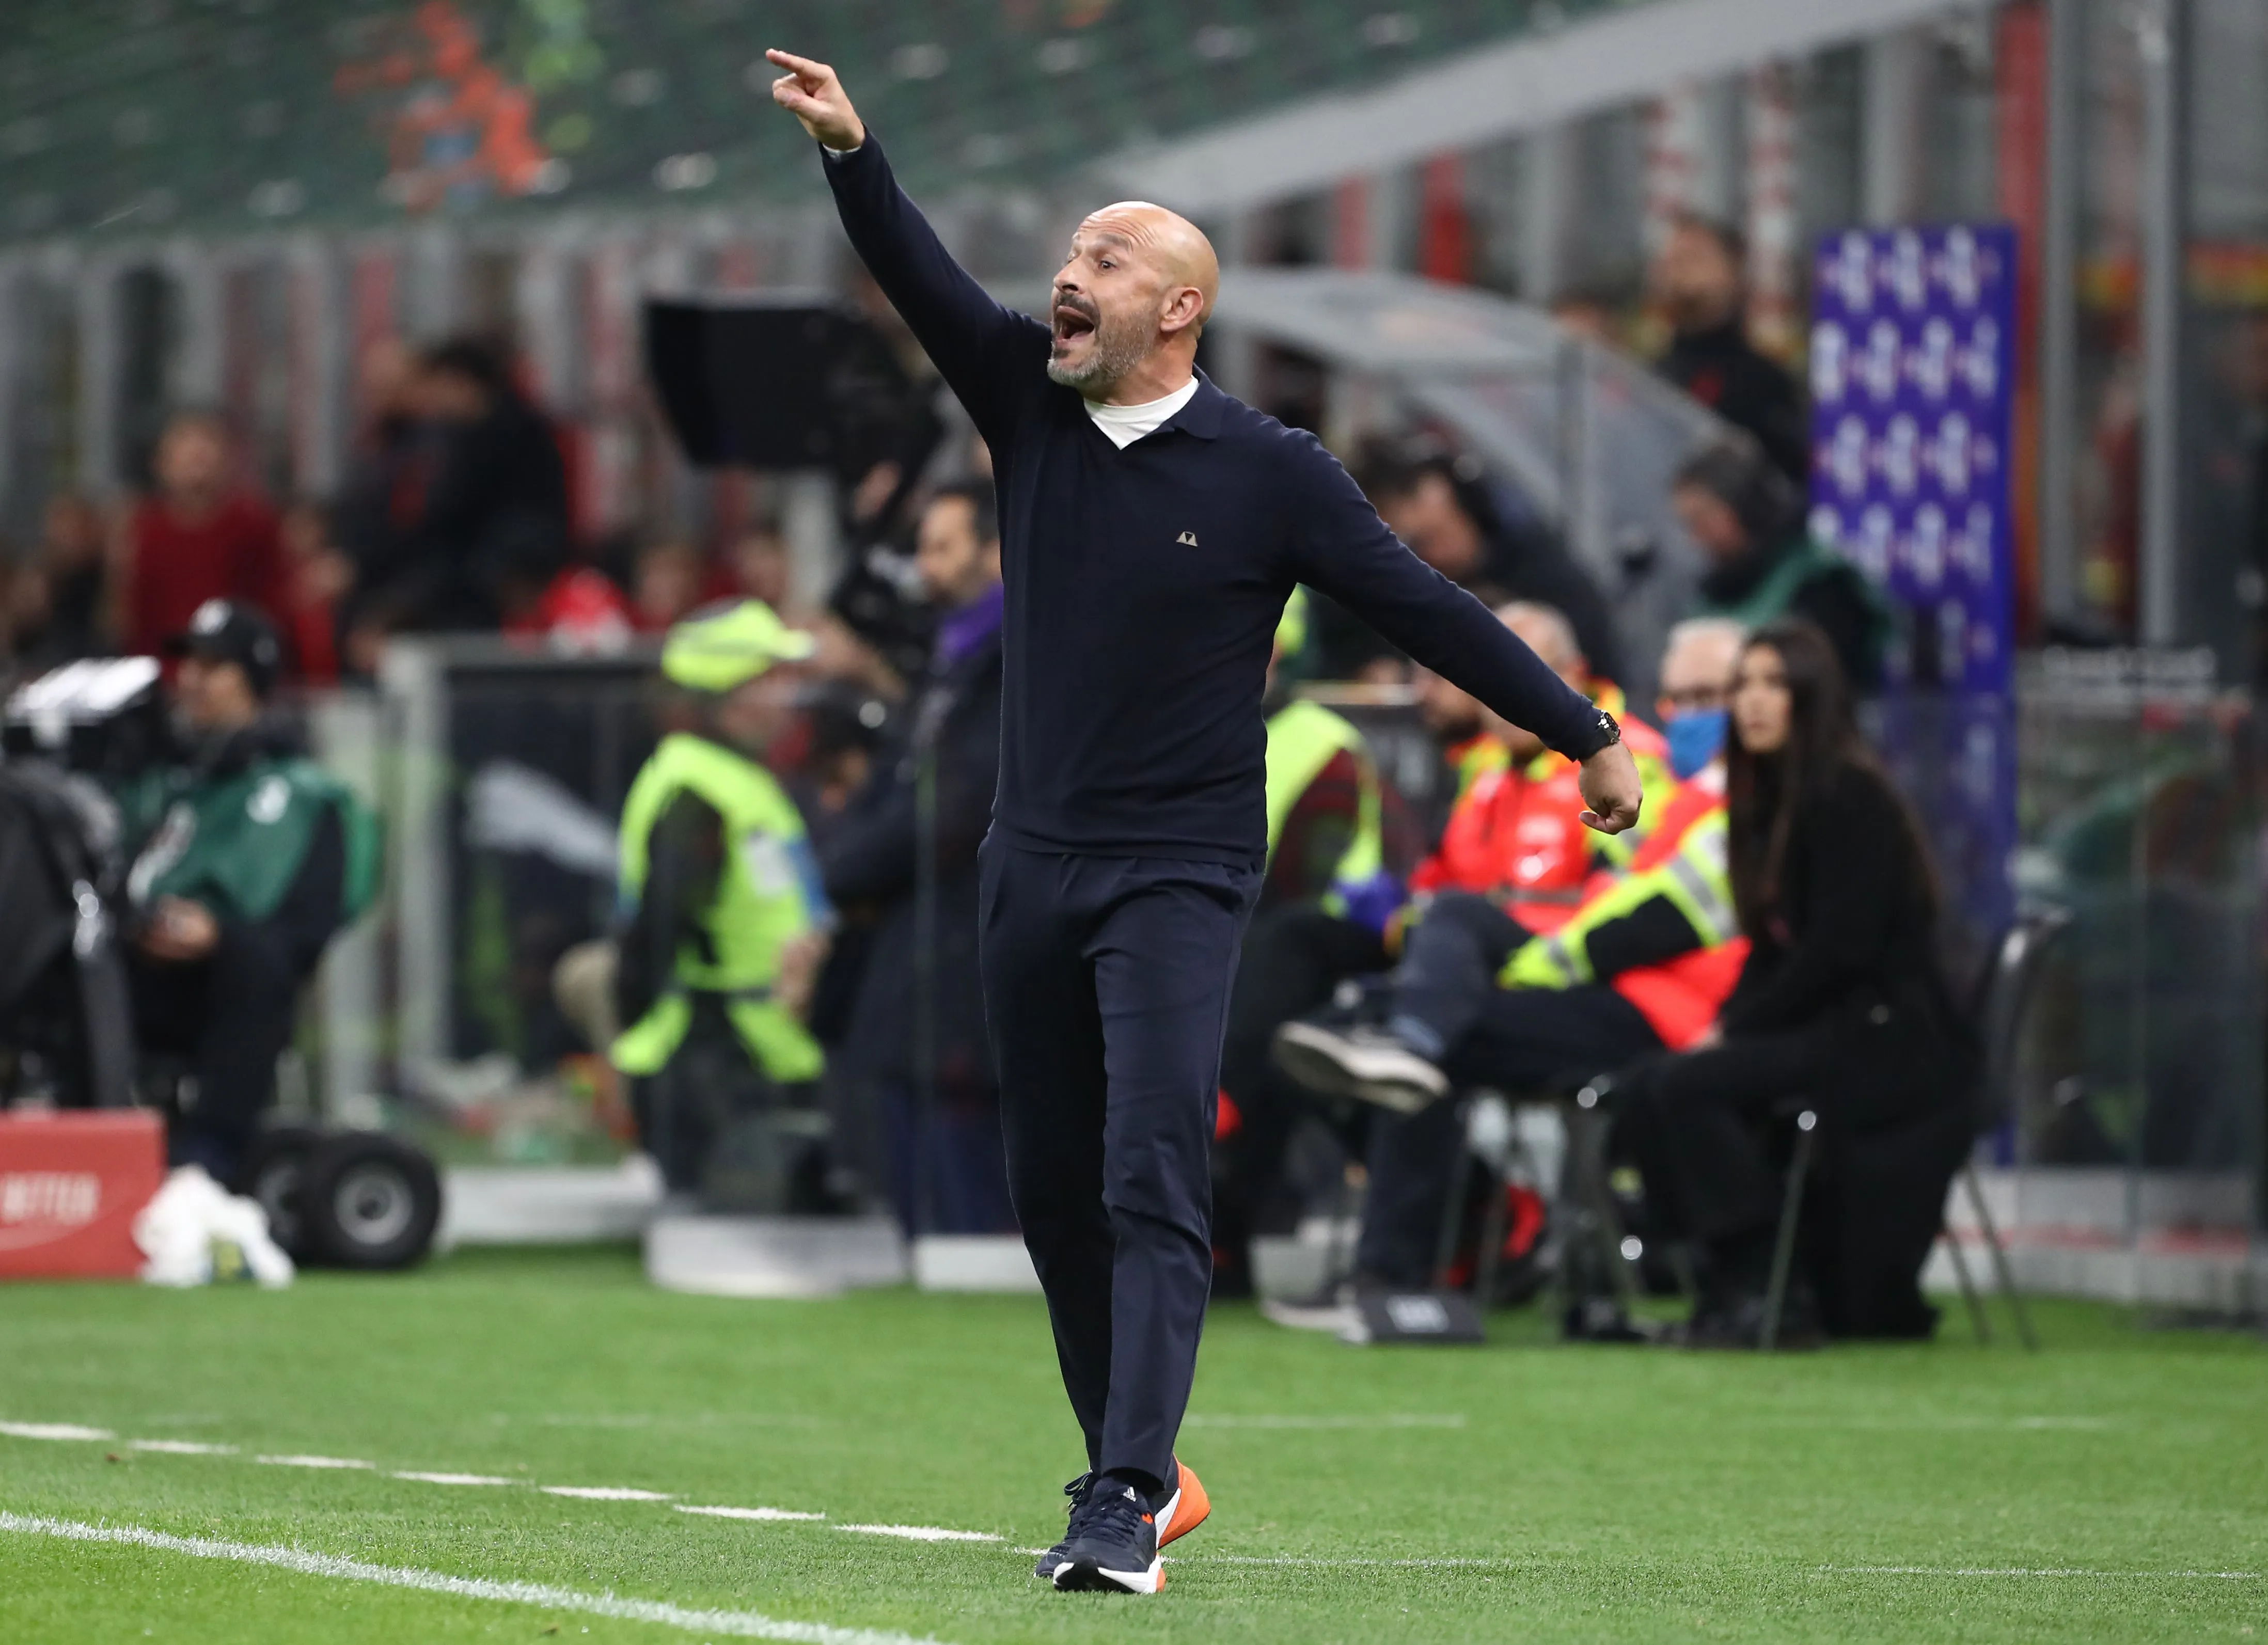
(1152, 528)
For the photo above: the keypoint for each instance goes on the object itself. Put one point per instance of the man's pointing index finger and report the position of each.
(799, 65)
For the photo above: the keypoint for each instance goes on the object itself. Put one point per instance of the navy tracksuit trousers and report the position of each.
(1106, 989)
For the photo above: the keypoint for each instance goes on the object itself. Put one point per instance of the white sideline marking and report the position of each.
(53, 1430)
(1387, 1420)
(180, 1447)
(1943, 1570)
(1295, 1558)
(922, 1533)
(585, 1493)
(314, 1462)
(746, 1513)
(604, 1493)
(742, 1623)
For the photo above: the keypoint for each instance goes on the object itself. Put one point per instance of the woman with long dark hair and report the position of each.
(1841, 1005)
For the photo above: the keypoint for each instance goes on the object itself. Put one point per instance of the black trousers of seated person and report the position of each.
(1707, 1130)
(229, 1015)
(1519, 1040)
(1105, 986)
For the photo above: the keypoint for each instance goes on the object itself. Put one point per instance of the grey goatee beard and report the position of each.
(1119, 345)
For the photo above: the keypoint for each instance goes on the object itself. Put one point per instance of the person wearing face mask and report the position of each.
(248, 858)
(1642, 964)
(1839, 1003)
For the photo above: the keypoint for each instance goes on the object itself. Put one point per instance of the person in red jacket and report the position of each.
(199, 537)
(1516, 834)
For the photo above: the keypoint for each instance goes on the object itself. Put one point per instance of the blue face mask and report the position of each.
(1694, 738)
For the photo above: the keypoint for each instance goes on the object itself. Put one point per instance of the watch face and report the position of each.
(1607, 726)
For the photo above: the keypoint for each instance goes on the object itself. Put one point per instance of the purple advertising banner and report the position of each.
(1914, 397)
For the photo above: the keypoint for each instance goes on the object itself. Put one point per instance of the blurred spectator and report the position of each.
(200, 536)
(1749, 519)
(726, 927)
(1336, 830)
(1453, 714)
(579, 610)
(383, 495)
(946, 1166)
(1840, 1003)
(317, 576)
(760, 567)
(1700, 280)
(55, 610)
(476, 528)
(667, 581)
(1441, 506)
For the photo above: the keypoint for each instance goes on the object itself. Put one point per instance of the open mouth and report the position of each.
(1072, 322)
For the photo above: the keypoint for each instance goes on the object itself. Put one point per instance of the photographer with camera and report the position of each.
(246, 858)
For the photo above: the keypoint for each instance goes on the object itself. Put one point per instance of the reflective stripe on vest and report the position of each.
(760, 906)
(1303, 739)
(1687, 869)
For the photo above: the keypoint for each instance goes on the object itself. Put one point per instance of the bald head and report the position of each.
(1178, 247)
(1550, 637)
(1129, 302)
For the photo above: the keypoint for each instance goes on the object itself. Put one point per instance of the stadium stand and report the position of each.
(141, 115)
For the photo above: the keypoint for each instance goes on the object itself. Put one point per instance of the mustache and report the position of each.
(1084, 306)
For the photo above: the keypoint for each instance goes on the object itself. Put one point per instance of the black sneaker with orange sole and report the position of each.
(1181, 1510)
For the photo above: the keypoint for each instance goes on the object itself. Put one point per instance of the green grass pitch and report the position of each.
(2112, 1488)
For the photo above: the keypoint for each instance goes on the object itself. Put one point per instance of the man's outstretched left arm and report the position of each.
(1342, 547)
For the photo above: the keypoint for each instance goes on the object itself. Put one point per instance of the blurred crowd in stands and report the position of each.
(454, 516)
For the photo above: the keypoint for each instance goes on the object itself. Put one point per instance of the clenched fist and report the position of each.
(811, 93)
(1609, 780)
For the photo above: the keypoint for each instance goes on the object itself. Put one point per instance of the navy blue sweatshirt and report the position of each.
(1143, 585)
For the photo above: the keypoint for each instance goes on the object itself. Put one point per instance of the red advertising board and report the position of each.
(70, 1184)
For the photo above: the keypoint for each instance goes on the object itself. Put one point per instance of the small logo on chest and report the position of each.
(1188, 539)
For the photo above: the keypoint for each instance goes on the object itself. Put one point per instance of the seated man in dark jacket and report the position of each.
(248, 859)
(903, 858)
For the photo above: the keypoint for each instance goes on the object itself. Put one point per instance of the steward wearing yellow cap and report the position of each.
(724, 923)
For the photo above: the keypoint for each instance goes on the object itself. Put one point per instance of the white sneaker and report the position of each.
(1359, 1062)
(1330, 1309)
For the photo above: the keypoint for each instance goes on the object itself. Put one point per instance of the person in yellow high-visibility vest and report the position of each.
(724, 921)
(1325, 845)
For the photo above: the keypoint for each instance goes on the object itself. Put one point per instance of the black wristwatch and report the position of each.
(1611, 730)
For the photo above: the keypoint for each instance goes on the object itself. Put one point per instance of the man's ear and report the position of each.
(1183, 310)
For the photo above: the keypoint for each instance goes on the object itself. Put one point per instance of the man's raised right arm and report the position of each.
(986, 353)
